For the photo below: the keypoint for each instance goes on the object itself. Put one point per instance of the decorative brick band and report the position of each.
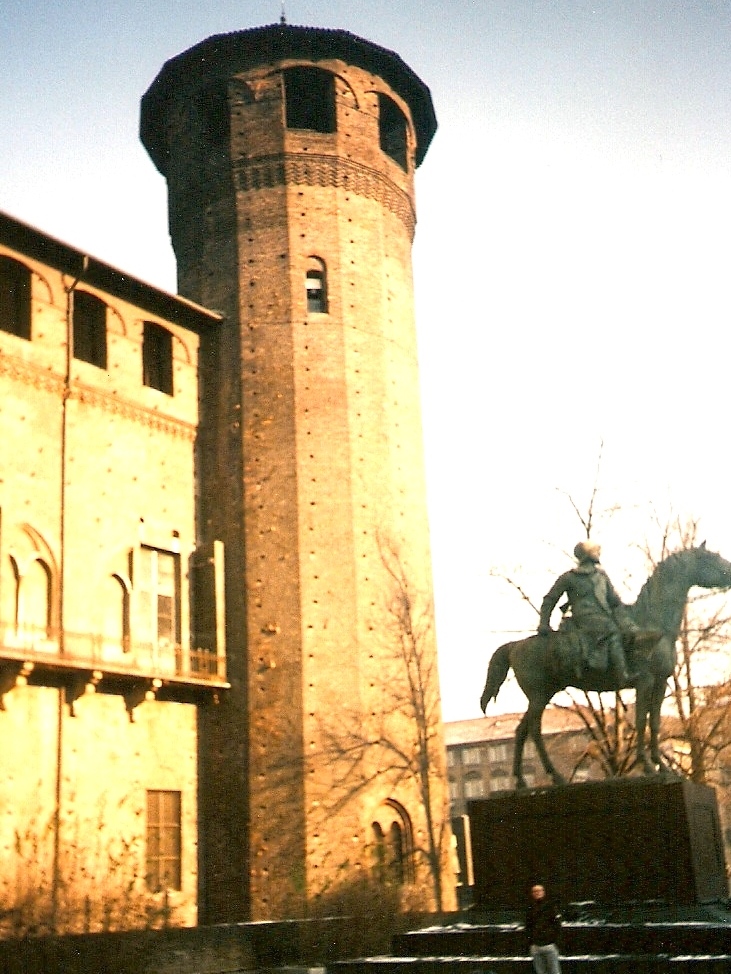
(134, 413)
(41, 379)
(267, 172)
(19, 371)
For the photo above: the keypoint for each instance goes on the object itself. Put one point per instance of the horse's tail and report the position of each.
(497, 671)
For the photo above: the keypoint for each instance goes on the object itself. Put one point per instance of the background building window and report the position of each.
(90, 329)
(392, 130)
(309, 99)
(14, 297)
(501, 781)
(474, 787)
(472, 755)
(163, 840)
(157, 358)
(500, 751)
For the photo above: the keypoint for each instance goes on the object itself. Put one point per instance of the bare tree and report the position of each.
(611, 737)
(400, 745)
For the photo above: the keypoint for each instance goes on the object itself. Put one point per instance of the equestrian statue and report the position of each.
(603, 645)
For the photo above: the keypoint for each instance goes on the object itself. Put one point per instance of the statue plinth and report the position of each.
(627, 840)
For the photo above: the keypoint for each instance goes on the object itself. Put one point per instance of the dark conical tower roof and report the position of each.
(223, 54)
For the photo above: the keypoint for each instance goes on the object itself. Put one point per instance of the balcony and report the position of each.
(83, 663)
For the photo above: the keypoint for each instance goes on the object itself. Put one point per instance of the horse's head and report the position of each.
(710, 569)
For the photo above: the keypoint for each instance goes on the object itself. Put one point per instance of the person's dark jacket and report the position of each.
(542, 923)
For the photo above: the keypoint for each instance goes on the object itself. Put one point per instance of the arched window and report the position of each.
(309, 99)
(157, 358)
(14, 297)
(316, 284)
(35, 601)
(392, 130)
(396, 854)
(392, 845)
(16, 592)
(90, 329)
(379, 852)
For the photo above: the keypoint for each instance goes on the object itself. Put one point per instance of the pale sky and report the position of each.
(571, 259)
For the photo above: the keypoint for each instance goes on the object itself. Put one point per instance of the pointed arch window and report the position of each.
(15, 281)
(33, 600)
(36, 592)
(396, 853)
(116, 607)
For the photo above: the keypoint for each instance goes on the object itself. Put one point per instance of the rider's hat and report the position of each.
(587, 551)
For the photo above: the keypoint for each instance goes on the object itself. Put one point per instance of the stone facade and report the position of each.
(97, 484)
(299, 230)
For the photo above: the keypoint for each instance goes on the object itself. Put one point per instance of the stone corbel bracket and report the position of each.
(13, 674)
(141, 691)
(83, 685)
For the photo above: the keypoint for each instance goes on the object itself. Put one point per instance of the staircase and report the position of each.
(644, 940)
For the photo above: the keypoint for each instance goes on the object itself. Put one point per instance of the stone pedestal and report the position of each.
(613, 842)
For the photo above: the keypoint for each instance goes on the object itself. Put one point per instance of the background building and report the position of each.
(480, 754)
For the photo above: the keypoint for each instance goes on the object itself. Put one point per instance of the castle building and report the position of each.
(216, 520)
(105, 657)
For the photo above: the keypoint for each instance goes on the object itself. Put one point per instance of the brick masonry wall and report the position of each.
(322, 423)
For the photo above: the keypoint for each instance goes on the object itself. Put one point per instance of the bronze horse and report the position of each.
(541, 671)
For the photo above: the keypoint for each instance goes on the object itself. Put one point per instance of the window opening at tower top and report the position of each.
(309, 98)
(392, 131)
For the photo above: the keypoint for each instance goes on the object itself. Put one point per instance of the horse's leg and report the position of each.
(642, 709)
(535, 731)
(656, 698)
(531, 724)
(520, 735)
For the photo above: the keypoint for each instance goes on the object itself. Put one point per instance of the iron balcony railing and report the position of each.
(162, 659)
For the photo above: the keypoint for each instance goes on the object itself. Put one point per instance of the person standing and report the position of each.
(543, 929)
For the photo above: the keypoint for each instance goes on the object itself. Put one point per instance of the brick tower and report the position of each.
(289, 154)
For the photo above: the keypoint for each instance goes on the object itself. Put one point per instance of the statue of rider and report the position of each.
(596, 610)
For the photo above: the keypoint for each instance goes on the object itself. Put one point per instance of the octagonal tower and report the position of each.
(289, 154)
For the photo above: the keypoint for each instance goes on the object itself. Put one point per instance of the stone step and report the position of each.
(502, 940)
(570, 964)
